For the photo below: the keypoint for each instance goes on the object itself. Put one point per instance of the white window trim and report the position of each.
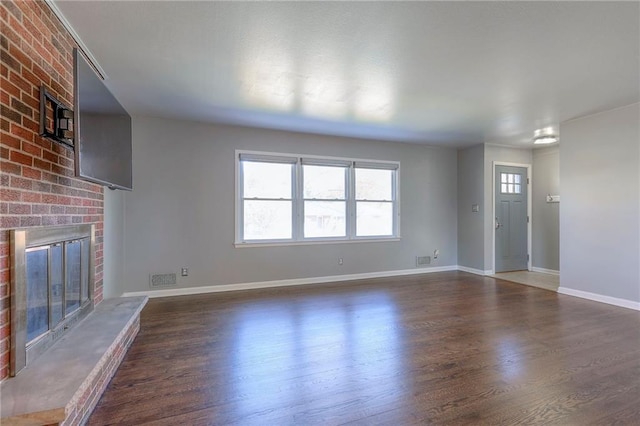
(298, 224)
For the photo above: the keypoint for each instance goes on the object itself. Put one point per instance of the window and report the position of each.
(374, 202)
(268, 200)
(288, 198)
(325, 201)
(510, 183)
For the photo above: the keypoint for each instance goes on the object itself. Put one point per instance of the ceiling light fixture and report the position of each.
(544, 136)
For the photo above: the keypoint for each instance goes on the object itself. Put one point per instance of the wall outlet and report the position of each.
(184, 272)
(340, 261)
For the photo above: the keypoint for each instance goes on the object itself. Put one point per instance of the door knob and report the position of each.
(498, 225)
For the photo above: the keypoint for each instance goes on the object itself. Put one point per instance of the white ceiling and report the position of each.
(442, 73)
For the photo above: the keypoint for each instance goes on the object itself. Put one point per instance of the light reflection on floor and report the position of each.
(509, 354)
(292, 355)
(449, 348)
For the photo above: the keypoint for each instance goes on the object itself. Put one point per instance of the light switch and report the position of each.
(475, 208)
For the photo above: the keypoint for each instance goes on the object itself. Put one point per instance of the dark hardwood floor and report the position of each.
(442, 348)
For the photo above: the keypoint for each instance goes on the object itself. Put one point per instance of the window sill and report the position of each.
(312, 243)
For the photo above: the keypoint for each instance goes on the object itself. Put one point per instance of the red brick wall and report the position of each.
(37, 187)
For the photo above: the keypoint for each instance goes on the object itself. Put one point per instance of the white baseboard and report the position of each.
(288, 282)
(545, 271)
(473, 270)
(623, 303)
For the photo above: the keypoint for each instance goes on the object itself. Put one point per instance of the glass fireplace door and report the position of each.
(57, 284)
(37, 292)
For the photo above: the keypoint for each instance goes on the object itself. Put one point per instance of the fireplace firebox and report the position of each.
(52, 280)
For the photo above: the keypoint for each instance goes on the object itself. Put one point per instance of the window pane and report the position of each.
(37, 297)
(56, 285)
(324, 182)
(503, 188)
(374, 184)
(266, 180)
(374, 219)
(86, 253)
(503, 177)
(517, 178)
(324, 219)
(72, 289)
(517, 189)
(267, 220)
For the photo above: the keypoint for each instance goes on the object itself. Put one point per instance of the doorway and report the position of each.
(512, 226)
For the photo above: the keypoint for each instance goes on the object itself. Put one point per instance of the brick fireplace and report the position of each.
(39, 193)
(37, 183)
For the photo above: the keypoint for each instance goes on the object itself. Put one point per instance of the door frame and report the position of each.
(493, 210)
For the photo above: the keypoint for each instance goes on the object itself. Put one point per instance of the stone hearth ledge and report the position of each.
(58, 383)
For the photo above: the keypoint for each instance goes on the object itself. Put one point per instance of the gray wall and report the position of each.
(504, 154)
(471, 191)
(113, 284)
(546, 216)
(182, 209)
(600, 206)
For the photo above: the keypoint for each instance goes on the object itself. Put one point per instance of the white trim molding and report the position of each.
(545, 271)
(316, 242)
(287, 282)
(623, 303)
(474, 271)
(76, 37)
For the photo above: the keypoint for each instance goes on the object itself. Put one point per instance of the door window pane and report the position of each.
(267, 220)
(510, 183)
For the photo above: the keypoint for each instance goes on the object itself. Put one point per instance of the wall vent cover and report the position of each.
(423, 260)
(162, 280)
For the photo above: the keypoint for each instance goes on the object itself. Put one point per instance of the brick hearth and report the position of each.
(64, 384)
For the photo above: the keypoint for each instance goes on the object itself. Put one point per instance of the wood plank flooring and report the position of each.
(442, 348)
